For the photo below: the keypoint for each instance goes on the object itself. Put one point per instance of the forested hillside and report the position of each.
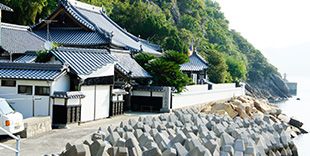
(173, 24)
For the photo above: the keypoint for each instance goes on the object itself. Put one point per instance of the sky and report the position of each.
(276, 28)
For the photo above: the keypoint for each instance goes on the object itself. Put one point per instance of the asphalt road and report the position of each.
(54, 142)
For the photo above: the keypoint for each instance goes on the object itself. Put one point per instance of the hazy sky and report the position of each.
(269, 23)
(280, 29)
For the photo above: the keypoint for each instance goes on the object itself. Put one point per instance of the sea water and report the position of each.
(301, 110)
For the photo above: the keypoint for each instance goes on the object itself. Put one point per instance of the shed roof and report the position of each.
(31, 71)
(127, 65)
(197, 63)
(68, 95)
(84, 61)
(17, 39)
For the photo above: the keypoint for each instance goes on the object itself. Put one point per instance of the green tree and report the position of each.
(174, 56)
(217, 68)
(236, 68)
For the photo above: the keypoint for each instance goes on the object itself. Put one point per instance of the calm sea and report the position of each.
(301, 110)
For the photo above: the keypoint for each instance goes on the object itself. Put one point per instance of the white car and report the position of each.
(10, 120)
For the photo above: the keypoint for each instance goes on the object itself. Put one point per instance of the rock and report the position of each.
(294, 122)
(284, 118)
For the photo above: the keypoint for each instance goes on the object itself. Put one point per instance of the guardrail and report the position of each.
(17, 138)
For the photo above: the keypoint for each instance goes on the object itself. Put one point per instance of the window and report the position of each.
(8, 83)
(42, 90)
(27, 90)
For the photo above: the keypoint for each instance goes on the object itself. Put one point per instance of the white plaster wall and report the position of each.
(61, 84)
(106, 70)
(193, 98)
(223, 86)
(102, 101)
(87, 108)
(196, 88)
(141, 93)
(158, 94)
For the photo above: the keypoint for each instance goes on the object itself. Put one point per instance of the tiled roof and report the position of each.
(197, 63)
(84, 61)
(120, 36)
(128, 65)
(94, 19)
(17, 39)
(4, 7)
(68, 95)
(30, 71)
(74, 36)
(152, 88)
(28, 58)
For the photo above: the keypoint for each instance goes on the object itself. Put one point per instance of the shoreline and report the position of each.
(220, 127)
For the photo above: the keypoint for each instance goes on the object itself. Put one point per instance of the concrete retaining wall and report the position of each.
(36, 125)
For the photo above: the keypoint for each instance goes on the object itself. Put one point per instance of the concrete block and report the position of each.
(163, 117)
(146, 128)
(113, 151)
(250, 150)
(228, 148)
(199, 151)
(181, 151)
(141, 119)
(211, 145)
(128, 135)
(97, 147)
(155, 124)
(114, 136)
(194, 129)
(211, 135)
(238, 153)
(122, 151)
(161, 127)
(191, 135)
(216, 119)
(179, 138)
(171, 133)
(161, 138)
(170, 125)
(75, 150)
(96, 136)
(190, 144)
(145, 138)
(138, 125)
(111, 128)
(178, 124)
(120, 142)
(133, 147)
(128, 128)
(132, 122)
(226, 139)
(153, 132)
(170, 152)
(239, 145)
(285, 138)
(164, 132)
(151, 145)
(138, 133)
(152, 152)
(120, 131)
(222, 153)
(123, 123)
(210, 125)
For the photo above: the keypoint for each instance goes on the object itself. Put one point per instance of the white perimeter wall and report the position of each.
(96, 104)
(198, 94)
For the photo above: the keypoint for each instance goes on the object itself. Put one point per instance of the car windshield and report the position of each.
(5, 108)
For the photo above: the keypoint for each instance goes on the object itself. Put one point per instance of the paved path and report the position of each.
(54, 142)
